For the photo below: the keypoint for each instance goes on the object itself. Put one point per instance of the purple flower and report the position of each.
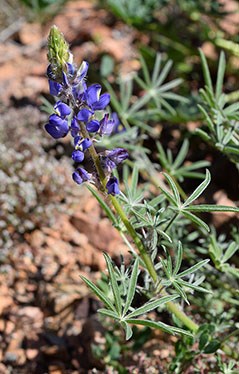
(62, 109)
(54, 88)
(107, 164)
(118, 127)
(57, 127)
(94, 99)
(74, 127)
(78, 89)
(113, 186)
(70, 69)
(80, 176)
(82, 71)
(106, 125)
(84, 115)
(85, 144)
(77, 140)
(77, 156)
(93, 126)
(117, 155)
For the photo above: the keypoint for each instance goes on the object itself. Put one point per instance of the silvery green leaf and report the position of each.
(98, 293)
(174, 188)
(231, 109)
(220, 75)
(114, 284)
(195, 219)
(203, 135)
(230, 149)
(132, 286)
(212, 208)
(181, 155)
(128, 329)
(193, 268)
(178, 259)
(108, 313)
(159, 325)
(199, 190)
(151, 305)
(156, 68)
(180, 290)
(206, 72)
(168, 195)
(231, 250)
(134, 179)
(164, 235)
(193, 286)
(164, 72)
(151, 324)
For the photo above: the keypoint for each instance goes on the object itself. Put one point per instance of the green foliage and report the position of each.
(220, 117)
(39, 5)
(134, 12)
(119, 305)
(158, 98)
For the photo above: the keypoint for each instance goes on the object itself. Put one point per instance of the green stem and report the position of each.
(174, 309)
(171, 222)
(146, 258)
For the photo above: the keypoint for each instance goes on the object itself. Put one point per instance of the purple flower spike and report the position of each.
(113, 186)
(117, 155)
(106, 125)
(85, 144)
(84, 115)
(80, 176)
(62, 109)
(93, 98)
(55, 88)
(93, 126)
(77, 156)
(57, 127)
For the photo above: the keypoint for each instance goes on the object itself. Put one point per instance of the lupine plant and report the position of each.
(160, 228)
